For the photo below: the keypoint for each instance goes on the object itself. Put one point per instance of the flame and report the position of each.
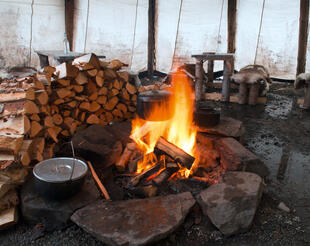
(179, 129)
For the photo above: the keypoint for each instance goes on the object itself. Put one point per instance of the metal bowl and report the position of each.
(59, 178)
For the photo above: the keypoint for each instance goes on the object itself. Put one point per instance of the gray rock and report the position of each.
(134, 222)
(235, 157)
(231, 204)
(55, 214)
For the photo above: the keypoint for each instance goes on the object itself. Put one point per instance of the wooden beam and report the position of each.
(151, 38)
(69, 21)
(303, 36)
(231, 25)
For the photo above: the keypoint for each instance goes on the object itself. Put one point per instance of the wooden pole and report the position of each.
(151, 38)
(69, 21)
(231, 26)
(303, 36)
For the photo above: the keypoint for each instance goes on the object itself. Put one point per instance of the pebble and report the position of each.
(283, 207)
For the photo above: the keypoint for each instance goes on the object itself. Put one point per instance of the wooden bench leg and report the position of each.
(226, 81)
(306, 104)
(198, 80)
(253, 95)
(210, 71)
(243, 93)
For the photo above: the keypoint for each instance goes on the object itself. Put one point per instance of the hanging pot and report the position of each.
(149, 100)
(59, 178)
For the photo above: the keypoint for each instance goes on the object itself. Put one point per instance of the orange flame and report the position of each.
(178, 130)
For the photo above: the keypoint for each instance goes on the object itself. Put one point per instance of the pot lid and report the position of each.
(154, 95)
(57, 170)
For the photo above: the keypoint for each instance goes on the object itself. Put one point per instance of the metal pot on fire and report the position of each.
(147, 101)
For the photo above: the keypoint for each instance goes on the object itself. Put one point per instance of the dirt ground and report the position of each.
(277, 131)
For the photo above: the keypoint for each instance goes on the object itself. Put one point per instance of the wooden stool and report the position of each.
(303, 81)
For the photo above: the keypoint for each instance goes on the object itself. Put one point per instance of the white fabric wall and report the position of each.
(15, 30)
(111, 28)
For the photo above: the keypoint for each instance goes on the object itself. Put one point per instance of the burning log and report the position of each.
(154, 169)
(179, 155)
(170, 169)
(124, 158)
(145, 191)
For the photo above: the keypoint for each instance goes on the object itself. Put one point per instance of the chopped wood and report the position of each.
(103, 64)
(95, 176)
(113, 92)
(57, 119)
(93, 119)
(51, 132)
(66, 70)
(124, 76)
(12, 108)
(144, 191)
(110, 105)
(124, 158)
(125, 94)
(109, 74)
(35, 117)
(115, 64)
(59, 101)
(8, 218)
(85, 106)
(49, 69)
(4, 188)
(91, 87)
(93, 107)
(122, 107)
(117, 113)
(65, 133)
(49, 151)
(99, 80)
(176, 153)
(101, 99)
(131, 88)
(81, 78)
(10, 144)
(35, 129)
(37, 148)
(93, 96)
(117, 84)
(42, 98)
(31, 108)
(109, 116)
(38, 84)
(9, 200)
(83, 115)
(72, 104)
(131, 109)
(133, 98)
(64, 82)
(170, 169)
(25, 153)
(63, 92)
(145, 174)
(66, 113)
(92, 72)
(87, 61)
(103, 91)
(78, 88)
(15, 125)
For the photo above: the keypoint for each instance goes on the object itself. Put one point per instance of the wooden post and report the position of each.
(228, 65)
(199, 80)
(231, 28)
(243, 93)
(151, 38)
(303, 36)
(69, 19)
(210, 71)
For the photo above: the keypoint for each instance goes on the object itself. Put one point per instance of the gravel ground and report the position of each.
(277, 128)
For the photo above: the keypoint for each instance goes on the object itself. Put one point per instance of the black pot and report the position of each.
(206, 117)
(54, 178)
(148, 100)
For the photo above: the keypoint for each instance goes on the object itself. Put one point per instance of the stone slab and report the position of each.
(134, 222)
(228, 127)
(99, 140)
(232, 203)
(234, 156)
(55, 214)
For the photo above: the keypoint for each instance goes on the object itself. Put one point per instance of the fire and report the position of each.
(179, 129)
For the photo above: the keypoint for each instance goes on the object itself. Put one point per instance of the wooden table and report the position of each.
(59, 56)
(228, 59)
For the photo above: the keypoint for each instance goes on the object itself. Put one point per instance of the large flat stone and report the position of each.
(99, 140)
(134, 222)
(228, 127)
(55, 214)
(232, 203)
(234, 156)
